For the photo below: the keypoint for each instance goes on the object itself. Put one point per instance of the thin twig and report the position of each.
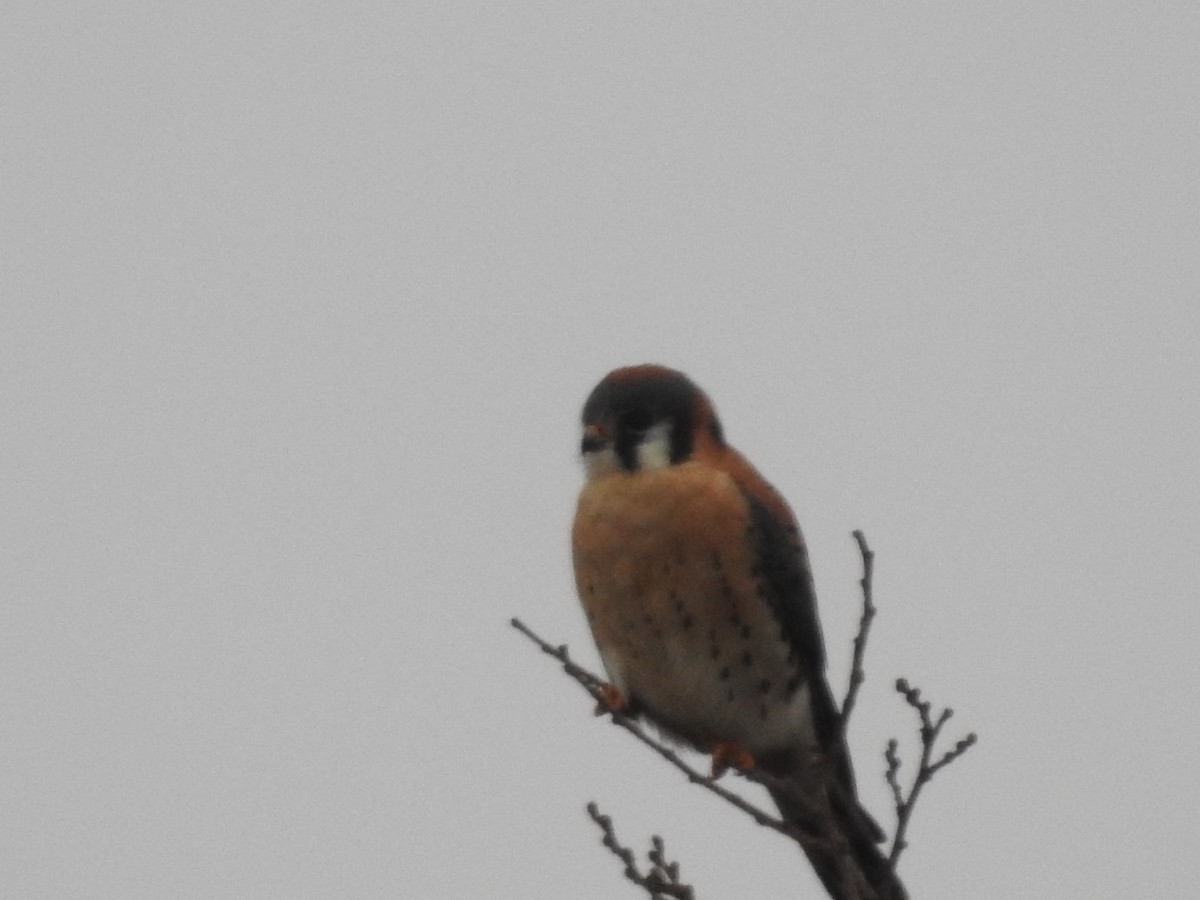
(593, 684)
(857, 672)
(663, 878)
(929, 732)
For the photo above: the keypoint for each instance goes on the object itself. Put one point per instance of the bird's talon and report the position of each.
(726, 755)
(611, 700)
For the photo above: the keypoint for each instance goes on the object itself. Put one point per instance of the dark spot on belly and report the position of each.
(792, 686)
(725, 673)
(747, 658)
(764, 686)
(686, 622)
(744, 631)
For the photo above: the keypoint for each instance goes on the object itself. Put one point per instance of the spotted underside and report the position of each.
(685, 579)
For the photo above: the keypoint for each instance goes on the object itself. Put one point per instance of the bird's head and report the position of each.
(646, 417)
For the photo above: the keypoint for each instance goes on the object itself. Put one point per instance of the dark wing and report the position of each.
(786, 581)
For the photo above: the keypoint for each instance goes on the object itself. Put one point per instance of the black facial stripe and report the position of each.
(626, 448)
(681, 439)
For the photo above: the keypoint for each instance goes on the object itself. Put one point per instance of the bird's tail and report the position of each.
(844, 848)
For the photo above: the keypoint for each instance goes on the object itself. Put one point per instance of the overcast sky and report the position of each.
(298, 307)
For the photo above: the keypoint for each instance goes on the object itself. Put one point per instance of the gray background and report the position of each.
(299, 306)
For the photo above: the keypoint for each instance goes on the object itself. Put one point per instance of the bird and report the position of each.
(695, 580)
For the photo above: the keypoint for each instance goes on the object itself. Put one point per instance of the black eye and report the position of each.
(637, 419)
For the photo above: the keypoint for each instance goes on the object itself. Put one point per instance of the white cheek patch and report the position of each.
(600, 462)
(654, 452)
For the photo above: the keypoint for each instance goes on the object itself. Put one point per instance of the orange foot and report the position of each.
(611, 700)
(726, 754)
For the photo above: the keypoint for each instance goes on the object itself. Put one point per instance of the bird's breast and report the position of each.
(669, 577)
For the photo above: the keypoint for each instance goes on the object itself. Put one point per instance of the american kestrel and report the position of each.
(697, 587)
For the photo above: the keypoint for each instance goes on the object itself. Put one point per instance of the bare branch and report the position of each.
(592, 684)
(930, 730)
(857, 673)
(662, 881)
